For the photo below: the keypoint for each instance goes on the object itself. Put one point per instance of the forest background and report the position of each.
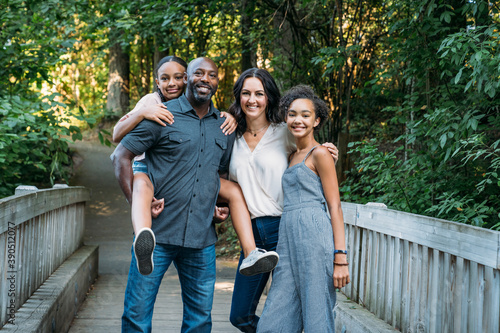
(413, 85)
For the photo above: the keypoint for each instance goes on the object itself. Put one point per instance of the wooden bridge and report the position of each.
(411, 273)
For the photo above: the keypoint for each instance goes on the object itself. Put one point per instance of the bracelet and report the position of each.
(340, 251)
(341, 264)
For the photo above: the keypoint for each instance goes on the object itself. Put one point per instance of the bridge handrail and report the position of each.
(39, 229)
(423, 274)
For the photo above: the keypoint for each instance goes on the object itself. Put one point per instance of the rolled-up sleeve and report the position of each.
(142, 137)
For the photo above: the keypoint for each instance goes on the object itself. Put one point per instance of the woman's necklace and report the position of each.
(257, 131)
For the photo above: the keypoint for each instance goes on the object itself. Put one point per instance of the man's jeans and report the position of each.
(196, 269)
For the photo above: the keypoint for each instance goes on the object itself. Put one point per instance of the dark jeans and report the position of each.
(248, 289)
(196, 270)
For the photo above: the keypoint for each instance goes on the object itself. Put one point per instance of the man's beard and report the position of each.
(201, 98)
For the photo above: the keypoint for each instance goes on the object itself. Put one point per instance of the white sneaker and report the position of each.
(259, 261)
(144, 245)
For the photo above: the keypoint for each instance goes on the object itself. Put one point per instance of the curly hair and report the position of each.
(273, 97)
(302, 91)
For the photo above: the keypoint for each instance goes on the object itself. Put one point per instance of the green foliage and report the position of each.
(477, 54)
(33, 145)
(481, 206)
(33, 36)
(227, 244)
(35, 124)
(456, 178)
(445, 161)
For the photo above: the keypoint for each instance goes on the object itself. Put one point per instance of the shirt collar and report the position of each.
(186, 107)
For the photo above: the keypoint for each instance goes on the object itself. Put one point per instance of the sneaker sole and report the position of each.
(144, 246)
(265, 264)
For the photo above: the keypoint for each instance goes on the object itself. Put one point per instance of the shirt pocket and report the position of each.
(219, 149)
(178, 147)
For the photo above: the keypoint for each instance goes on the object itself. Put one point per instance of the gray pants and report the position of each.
(302, 295)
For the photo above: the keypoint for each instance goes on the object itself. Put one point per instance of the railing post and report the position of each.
(60, 186)
(24, 189)
(377, 204)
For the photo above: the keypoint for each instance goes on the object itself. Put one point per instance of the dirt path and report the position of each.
(107, 214)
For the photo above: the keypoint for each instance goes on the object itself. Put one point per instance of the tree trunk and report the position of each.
(284, 48)
(158, 55)
(145, 64)
(118, 82)
(247, 52)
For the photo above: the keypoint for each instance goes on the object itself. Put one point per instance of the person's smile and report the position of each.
(298, 127)
(203, 88)
(172, 90)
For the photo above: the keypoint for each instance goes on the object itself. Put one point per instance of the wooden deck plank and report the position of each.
(102, 310)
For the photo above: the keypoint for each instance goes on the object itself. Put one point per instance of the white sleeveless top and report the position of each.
(259, 172)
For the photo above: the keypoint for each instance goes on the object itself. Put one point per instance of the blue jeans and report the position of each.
(248, 289)
(140, 166)
(196, 269)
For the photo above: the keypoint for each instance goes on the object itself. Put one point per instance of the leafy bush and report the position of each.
(428, 186)
(454, 175)
(445, 163)
(33, 143)
(37, 41)
(227, 245)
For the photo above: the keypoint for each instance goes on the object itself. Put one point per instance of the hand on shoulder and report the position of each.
(229, 125)
(158, 113)
(333, 150)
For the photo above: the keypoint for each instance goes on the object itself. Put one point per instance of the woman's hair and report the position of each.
(273, 97)
(163, 61)
(300, 91)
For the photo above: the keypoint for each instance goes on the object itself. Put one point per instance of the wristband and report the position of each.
(340, 251)
(341, 264)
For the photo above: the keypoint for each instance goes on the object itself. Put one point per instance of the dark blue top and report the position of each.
(184, 160)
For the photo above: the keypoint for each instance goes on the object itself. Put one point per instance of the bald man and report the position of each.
(184, 161)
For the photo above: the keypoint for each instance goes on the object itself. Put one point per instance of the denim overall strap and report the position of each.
(309, 153)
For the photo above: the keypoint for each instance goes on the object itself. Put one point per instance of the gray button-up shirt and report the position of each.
(184, 160)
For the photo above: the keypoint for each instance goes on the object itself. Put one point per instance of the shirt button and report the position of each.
(199, 166)
(197, 180)
(202, 150)
(202, 134)
(194, 195)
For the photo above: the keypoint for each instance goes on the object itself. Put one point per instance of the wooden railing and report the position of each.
(422, 274)
(39, 229)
